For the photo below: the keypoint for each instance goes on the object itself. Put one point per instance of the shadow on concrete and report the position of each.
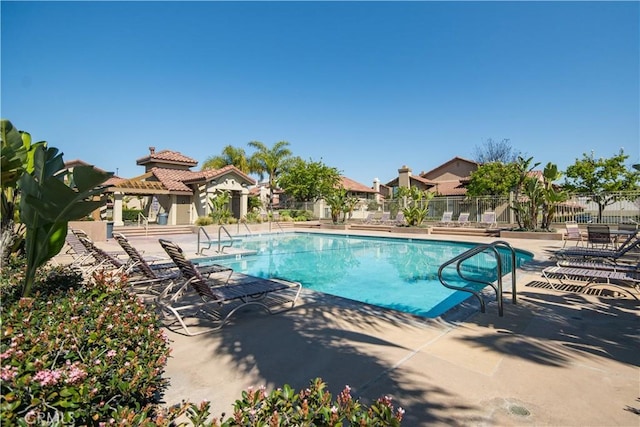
(549, 328)
(341, 343)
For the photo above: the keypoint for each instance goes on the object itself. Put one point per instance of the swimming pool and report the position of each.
(399, 274)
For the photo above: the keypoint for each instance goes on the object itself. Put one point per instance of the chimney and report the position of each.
(403, 176)
(152, 150)
(376, 185)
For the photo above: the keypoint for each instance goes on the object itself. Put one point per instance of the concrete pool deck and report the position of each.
(556, 358)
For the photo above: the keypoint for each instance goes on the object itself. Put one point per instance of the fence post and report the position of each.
(512, 218)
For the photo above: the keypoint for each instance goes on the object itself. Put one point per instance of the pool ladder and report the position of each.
(493, 248)
(207, 241)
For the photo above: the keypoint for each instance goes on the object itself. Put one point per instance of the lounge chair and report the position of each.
(572, 233)
(488, 220)
(82, 237)
(103, 259)
(145, 277)
(446, 220)
(400, 220)
(624, 233)
(610, 255)
(463, 220)
(624, 281)
(598, 235)
(220, 298)
(369, 218)
(386, 216)
(81, 256)
(594, 264)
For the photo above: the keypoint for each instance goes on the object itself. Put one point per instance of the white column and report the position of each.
(244, 202)
(117, 209)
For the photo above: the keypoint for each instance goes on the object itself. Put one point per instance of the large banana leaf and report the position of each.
(13, 154)
(48, 204)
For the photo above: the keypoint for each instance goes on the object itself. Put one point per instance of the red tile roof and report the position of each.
(173, 179)
(167, 156)
(354, 186)
(449, 188)
(214, 173)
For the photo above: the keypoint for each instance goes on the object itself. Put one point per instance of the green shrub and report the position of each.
(49, 279)
(301, 215)
(253, 217)
(313, 406)
(76, 355)
(130, 215)
(81, 356)
(204, 220)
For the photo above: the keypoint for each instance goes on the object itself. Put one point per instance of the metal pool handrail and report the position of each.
(498, 288)
(208, 241)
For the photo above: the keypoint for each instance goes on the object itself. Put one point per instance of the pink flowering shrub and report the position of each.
(76, 355)
(313, 406)
(80, 356)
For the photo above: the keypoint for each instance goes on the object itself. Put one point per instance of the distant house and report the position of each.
(319, 208)
(356, 189)
(448, 179)
(170, 187)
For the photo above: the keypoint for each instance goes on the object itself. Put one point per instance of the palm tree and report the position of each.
(230, 156)
(270, 161)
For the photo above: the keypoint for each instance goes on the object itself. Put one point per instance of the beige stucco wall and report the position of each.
(96, 230)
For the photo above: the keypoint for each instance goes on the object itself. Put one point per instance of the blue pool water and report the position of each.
(399, 274)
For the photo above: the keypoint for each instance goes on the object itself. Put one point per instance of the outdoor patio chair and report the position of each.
(595, 264)
(625, 282)
(82, 236)
(369, 218)
(598, 235)
(383, 219)
(572, 233)
(219, 298)
(103, 259)
(400, 219)
(488, 220)
(627, 226)
(463, 220)
(143, 276)
(446, 220)
(611, 255)
(81, 256)
(624, 232)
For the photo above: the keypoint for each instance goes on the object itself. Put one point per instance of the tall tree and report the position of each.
(523, 167)
(493, 179)
(308, 181)
(231, 156)
(270, 161)
(601, 180)
(495, 151)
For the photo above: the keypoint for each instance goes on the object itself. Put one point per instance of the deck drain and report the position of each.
(519, 410)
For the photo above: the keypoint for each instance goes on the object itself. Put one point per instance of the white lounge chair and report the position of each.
(488, 220)
(463, 220)
(446, 220)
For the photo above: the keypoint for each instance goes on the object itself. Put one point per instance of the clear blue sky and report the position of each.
(365, 87)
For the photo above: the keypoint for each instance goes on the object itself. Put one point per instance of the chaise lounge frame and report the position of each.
(623, 281)
(218, 299)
